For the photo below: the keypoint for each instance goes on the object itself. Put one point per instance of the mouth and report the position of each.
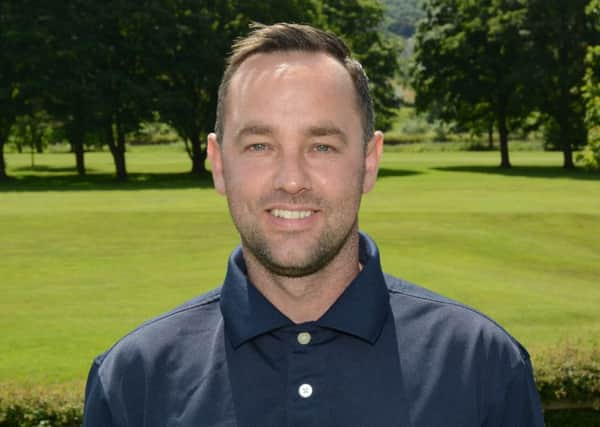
(291, 214)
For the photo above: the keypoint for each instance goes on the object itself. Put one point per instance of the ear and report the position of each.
(214, 153)
(372, 157)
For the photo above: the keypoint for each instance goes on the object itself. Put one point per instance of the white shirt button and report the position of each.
(303, 338)
(305, 390)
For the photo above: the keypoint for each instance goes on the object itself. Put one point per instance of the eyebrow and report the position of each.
(254, 129)
(321, 130)
(326, 130)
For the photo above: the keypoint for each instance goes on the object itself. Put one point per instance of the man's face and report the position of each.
(292, 161)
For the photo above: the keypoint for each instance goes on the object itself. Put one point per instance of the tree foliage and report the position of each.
(71, 93)
(11, 96)
(471, 64)
(591, 87)
(402, 16)
(591, 92)
(560, 32)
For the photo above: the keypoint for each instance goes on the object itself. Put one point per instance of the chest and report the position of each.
(313, 377)
(310, 377)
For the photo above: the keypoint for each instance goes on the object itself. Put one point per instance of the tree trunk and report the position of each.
(80, 159)
(564, 106)
(503, 132)
(39, 148)
(198, 156)
(120, 165)
(565, 133)
(77, 148)
(76, 135)
(3, 175)
(5, 126)
(568, 157)
(117, 149)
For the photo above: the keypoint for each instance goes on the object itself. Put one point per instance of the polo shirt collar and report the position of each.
(360, 310)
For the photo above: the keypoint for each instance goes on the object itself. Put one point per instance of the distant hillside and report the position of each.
(401, 16)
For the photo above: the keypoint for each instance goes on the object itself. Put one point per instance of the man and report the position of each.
(306, 329)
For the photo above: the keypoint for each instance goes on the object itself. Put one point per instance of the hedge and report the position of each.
(52, 406)
(568, 379)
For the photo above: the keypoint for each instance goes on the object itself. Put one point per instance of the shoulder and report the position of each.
(141, 373)
(443, 319)
(458, 358)
(186, 325)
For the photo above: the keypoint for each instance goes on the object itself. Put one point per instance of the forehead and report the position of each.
(280, 64)
(288, 84)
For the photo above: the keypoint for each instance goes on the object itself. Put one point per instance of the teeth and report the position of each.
(280, 213)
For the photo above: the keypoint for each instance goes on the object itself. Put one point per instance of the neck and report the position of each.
(306, 298)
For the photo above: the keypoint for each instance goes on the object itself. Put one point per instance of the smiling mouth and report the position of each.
(287, 214)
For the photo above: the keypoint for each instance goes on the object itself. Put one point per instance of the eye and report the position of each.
(322, 148)
(259, 147)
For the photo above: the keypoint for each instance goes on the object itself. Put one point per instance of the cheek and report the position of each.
(239, 173)
(244, 183)
(342, 178)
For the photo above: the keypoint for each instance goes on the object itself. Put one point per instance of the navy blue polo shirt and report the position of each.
(387, 353)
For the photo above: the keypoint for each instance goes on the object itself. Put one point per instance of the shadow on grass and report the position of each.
(527, 171)
(48, 168)
(108, 182)
(390, 173)
(104, 182)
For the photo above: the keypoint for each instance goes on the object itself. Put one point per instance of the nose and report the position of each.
(292, 173)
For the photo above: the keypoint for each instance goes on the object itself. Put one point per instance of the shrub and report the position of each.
(590, 156)
(52, 406)
(568, 377)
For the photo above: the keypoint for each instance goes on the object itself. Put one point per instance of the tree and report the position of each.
(125, 78)
(471, 61)
(561, 32)
(100, 80)
(69, 80)
(20, 29)
(193, 52)
(591, 88)
(591, 92)
(11, 66)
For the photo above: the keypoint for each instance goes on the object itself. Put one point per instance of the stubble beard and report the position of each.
(328, 246)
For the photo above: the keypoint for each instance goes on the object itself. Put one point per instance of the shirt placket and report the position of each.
(305, 387)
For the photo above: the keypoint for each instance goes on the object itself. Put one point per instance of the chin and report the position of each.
(293, 270)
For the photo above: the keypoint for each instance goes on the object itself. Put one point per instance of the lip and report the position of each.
(292, 224)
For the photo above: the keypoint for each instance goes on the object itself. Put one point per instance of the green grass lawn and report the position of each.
(83, 261)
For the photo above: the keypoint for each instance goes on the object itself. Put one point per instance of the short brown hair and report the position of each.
(296, 37)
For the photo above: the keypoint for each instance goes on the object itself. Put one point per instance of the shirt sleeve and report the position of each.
(96, 411)
(520, 405)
